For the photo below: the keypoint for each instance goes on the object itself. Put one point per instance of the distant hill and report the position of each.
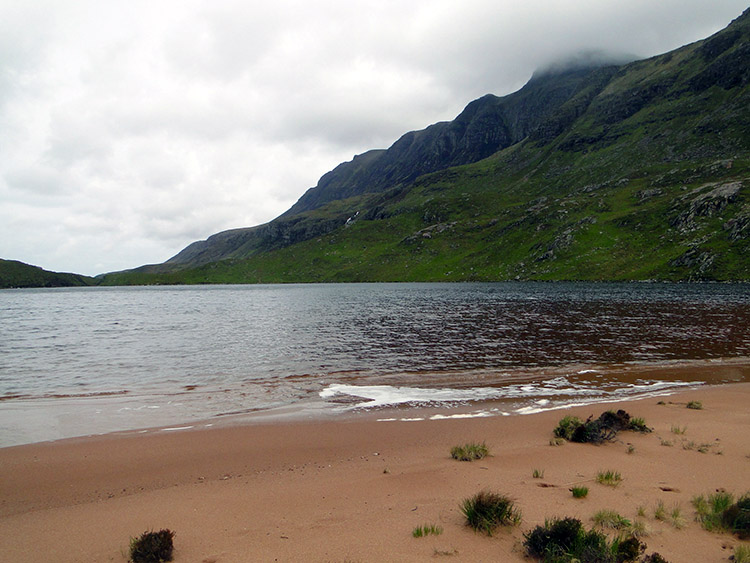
(637, 171)
(14, 274)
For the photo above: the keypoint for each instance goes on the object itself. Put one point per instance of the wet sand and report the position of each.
(353, 489)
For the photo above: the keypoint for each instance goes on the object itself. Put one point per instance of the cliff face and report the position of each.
(614, 171)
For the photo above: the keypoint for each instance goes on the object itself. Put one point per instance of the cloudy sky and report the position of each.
(130, 129)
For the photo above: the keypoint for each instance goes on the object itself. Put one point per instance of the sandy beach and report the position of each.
(353, 489)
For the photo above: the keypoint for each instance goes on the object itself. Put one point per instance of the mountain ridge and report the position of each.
(635, 138)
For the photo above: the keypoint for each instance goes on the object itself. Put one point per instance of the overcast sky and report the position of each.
(130, 129)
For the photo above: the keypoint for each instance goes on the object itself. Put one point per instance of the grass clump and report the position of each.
(470, 451)
(152, 547)
(538, 473)
(580, 492)
(695, 405)
(486, 511)
(598, 430)
(566, 540)
(609, 477)
(426, 530)
(611, 519)
(719, 512)
(742, 554)
(679, 429)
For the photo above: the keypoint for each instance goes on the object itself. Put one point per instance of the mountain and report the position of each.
(636, 171)
(14, 274)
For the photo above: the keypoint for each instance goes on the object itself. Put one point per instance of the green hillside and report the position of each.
(631, 172)
(14, 274)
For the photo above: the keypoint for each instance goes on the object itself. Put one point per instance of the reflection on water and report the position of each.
(203, 351)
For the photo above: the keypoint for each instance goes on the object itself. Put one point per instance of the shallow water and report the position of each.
(89, 360)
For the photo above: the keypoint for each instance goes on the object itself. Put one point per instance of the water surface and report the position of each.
(82, 360)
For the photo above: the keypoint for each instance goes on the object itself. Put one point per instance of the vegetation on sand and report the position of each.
(566, 540)
(719, 512)
(580, 491)
(609, 477)
(152, 547)
(470, 451)
(486, 511)
(598, 430)
(426, 530)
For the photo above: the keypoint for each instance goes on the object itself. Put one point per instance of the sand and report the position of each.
(353, 489)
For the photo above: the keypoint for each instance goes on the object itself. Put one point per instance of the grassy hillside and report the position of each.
(642, 172)
(14, 274)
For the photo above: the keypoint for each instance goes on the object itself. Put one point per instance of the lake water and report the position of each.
(90, 360)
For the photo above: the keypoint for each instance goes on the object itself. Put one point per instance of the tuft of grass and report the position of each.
(639, 529)
(631, 449)
(638, 424)
(557, 441)
(667, 443)
(742, 554)
(660, 512)
(719, 512)
(566, 539)
(426, 530)
(679, 429)
(152, 547)
(567, 426)
(641, 511)
(580, 492)
(611, 519)
(538, 474)
(695, 405)
(609, 477)
(676, 518)
(486, 511)
(470, 451)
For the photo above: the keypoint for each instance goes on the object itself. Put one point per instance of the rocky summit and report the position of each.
(597, 171)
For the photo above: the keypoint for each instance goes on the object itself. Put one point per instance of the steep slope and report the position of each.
(637, 171)
(14, 274)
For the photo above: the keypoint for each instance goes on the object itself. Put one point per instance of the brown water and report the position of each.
(100, 359)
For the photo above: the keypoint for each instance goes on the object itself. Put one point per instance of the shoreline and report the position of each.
(530, 390)
(353, 488)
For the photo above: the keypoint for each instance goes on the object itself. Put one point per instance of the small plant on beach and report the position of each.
(538, 473)
(598, 430)
(679, 429)
(152, 547)
(719, 512)
(470, 451)
(742, 554)
(580, 492)
(486, 511)
(654, 558)
(426, 530)
(695, 405)
(566, 540)
(567, 426)
(667, 443)
(660, 512)
(609, 477)
(611, 519)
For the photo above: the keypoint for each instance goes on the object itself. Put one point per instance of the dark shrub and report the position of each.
(554, 538)
(629, 549)
(599, 430)
(152, 547)
(736, 518)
